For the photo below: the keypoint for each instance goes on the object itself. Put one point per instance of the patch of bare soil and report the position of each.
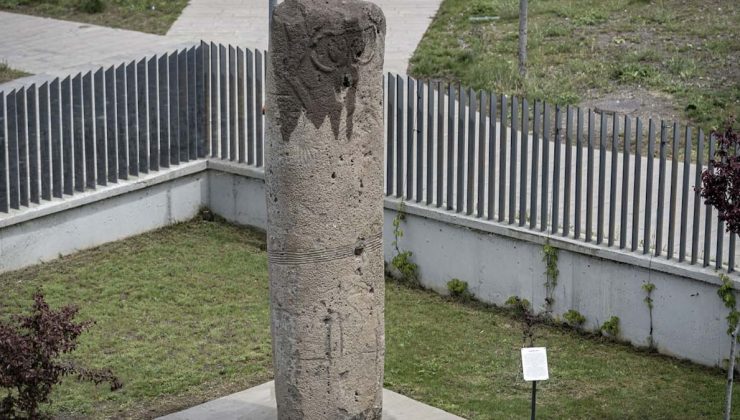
(635, 102)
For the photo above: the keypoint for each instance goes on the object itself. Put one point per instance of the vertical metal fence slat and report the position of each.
(192, 120)
(625, 181)
(460, 147)
(44, 140)
(67, 135)
(142, 117)
(133, 127)
(674, 188)
(545, 184)
(201, 95)
(4, 205)
(524, 144)
(183, 106)
(79, 133)
(101, 147)
(491, 155)
(602, 182)
(708, 217)
(241, 101)
(111, 127)
(481, 155)
(122, 122)
(251, 118)
(410, 103)
(215, 101)
(174, 108)
(13, 149)
(152, 89)
(164, 111)
(399, 136)
(88, 120)
(733, 236)
(513, 159)
(636, 192)
(649, 187)
(56, 139)
(259, 114)
(419, 165)
(233, 104)
(697, 198)
(440, 143)
(661, 189)
(613, 179)
(23, 174)
(390, 122)
(590, 176)
(430, 144)
(568, 166)
(33, 146)
(685, 197)
(470, 158)
(223, 76)
(579, 174)
(502, 161)
(536, 130)
(12, 139)
(450, 143)
(556, 171)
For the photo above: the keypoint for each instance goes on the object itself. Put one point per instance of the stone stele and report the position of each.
(324, 181)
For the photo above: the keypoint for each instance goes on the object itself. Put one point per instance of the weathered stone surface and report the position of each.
(324, 181)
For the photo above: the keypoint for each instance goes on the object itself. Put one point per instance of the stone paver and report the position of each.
(258, 403)
(244, 23)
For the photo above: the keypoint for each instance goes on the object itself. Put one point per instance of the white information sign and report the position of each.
(534, 364)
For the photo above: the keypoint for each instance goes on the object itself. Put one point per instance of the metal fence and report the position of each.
(85, 131)
(603, 178)
(597, 178)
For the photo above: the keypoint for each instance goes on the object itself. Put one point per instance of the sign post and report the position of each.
(534, 368)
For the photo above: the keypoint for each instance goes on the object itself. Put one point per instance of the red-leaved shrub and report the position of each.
(721, 183)
(30, 365)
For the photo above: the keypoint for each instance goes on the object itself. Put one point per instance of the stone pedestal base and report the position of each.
(258, 403)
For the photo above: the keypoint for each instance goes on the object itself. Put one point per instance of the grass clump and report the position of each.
(152, 16)
(7, 73)
(574, 318)
(682, 54)
(459, 290)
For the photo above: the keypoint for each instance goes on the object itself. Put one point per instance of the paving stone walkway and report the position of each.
(50, 47)
(244, 22)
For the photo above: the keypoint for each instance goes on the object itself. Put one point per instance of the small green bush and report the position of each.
(91, 6)
(611, 327)
(459, 289)
(574, 318)
(408, 270)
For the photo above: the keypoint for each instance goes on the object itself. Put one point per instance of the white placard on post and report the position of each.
(534, 364)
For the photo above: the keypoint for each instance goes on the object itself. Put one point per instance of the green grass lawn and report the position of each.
(7, 74)
(679, 57)
(182, 317)
(153, 16)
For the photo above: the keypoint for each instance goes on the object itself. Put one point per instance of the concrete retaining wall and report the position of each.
(688, 317)
(498, 261)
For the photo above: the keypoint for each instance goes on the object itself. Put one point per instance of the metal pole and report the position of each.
(271, 8)
(534, 398)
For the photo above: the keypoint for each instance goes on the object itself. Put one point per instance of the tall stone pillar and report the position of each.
(324, 180)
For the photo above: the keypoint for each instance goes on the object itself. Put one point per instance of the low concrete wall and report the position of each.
(688, 317)
(498, 261)
(94, 218)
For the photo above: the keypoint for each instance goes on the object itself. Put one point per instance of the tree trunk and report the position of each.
(523, 38)
(731, 374)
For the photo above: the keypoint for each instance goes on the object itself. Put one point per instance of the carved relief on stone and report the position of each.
(316, 68)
